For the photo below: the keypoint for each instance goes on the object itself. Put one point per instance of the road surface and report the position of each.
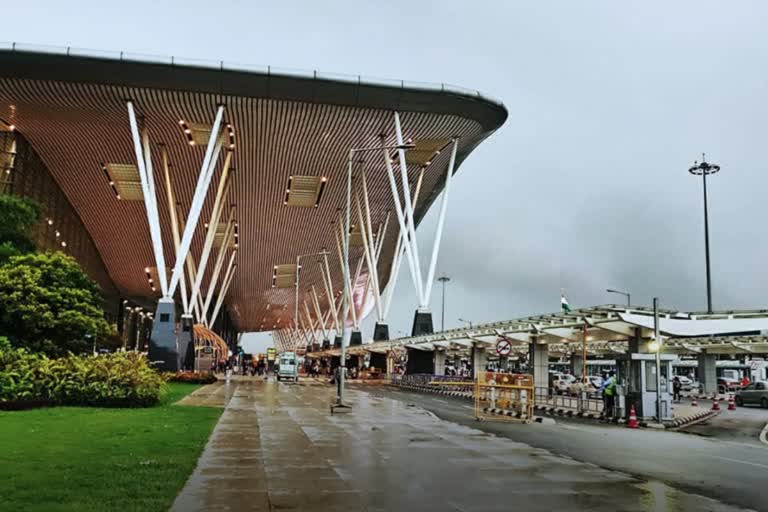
(732, 472)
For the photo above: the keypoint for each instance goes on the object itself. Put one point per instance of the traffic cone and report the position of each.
(694, 402)
(632, 422)
(731, 403)
(716, 404)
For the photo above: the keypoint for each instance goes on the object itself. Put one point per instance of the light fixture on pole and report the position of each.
(704, 169)
(466, 322)
(443, 279)
(626, 294)
(345, 264)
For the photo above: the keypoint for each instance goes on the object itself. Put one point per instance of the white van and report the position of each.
(288, 367)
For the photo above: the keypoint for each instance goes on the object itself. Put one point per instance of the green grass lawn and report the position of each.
(83, 459)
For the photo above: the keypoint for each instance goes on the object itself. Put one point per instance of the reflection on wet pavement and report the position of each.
(277, 447)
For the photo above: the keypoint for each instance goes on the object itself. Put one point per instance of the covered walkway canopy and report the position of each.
(608, 330)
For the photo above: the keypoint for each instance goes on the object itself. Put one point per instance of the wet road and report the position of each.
(732, 472)
(742, 425)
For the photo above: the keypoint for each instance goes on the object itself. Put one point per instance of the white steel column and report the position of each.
(440, 222)
(408, 205)
(226, 240)
(144, 165)
(213, 224)
(220, 300)
(319, 312)
(399, 250)
(201, 189)
(403, 228)
(204, 308)
(369, 257)
(174, 224)
(329, 291)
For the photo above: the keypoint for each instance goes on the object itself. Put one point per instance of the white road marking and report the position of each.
(740, 461)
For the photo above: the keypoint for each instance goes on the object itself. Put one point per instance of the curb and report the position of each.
(764, 435)
(687, 421)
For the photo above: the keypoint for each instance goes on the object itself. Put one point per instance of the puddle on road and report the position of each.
(660, 497)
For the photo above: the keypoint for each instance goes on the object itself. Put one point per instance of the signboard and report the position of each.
(271, 354)
(503, 347)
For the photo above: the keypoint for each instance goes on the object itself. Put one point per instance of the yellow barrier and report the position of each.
(504, 396)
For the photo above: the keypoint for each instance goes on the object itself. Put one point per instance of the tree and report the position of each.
(48, 304)
(17, 217)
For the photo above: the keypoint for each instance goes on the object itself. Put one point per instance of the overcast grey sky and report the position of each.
(585, 187)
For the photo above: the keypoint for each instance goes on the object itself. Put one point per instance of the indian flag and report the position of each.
(564, 303)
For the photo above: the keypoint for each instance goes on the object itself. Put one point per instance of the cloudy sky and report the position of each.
(585, 187)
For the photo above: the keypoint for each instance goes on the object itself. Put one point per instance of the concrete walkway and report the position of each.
(277, 447)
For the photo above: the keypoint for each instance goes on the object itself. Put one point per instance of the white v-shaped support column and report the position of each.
(198, 199)
(329, 291)
(400, 249)
(226, 241)
(228, 276)
(319, 312)
(170, 196)
(218, 207)
(146, 176)
(440, 223)
(409, 250)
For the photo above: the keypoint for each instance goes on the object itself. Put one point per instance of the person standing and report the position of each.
(676, 387)
(609, 395)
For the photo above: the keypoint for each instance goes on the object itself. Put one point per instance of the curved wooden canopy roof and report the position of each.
(72, 109)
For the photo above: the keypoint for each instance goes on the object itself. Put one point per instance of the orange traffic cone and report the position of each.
(716, 404)
(731, 403)
(694, 402)
(632, 422)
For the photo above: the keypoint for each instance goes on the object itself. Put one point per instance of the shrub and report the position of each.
(48, 304)
(191, 377)
(114, 380)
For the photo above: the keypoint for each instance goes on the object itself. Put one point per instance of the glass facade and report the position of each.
(60, 228)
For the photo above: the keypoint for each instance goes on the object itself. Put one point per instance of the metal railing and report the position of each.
(582, 403)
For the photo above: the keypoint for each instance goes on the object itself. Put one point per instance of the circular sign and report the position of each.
(503, 347)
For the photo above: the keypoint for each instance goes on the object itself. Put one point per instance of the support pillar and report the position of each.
(326, 344)
(439, 362)
(337, 342)
(381, 332)
(163, 348)
(707, 373)
(356, 339)
(540, 365)
(479, 359)
(419, 361)
(422, 323)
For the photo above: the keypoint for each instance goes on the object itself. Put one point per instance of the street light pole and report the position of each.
(657, 343)
(443, 279)
(703, 169)
(626, 294)
(466, 322)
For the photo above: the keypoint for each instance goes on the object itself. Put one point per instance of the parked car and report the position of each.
(754, 394)
(561, 382)
(728, 385)
(686, 384)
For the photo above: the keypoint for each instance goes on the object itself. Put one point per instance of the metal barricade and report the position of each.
(504, 396)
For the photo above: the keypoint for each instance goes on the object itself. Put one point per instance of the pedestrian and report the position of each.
(609, 395)
(676, 387)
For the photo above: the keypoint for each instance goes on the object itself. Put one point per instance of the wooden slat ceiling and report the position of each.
(78, 127)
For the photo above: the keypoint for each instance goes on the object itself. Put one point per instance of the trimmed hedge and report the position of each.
(191, 377)
(115, 380)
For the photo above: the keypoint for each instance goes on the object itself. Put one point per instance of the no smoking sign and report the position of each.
(503, 347)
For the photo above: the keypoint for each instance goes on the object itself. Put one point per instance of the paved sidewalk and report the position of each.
(277, 447)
